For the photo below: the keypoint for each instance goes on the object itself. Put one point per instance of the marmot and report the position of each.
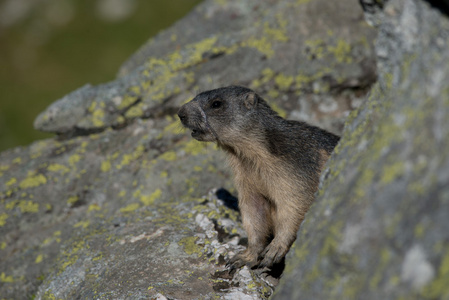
(276, 163)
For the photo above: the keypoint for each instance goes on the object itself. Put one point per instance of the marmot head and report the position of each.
(222, 115)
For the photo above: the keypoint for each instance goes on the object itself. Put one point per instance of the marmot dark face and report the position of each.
(218, 114)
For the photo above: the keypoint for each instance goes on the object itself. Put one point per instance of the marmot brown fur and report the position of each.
(276, 163)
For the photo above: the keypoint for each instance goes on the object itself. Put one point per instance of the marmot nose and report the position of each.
(182, 115)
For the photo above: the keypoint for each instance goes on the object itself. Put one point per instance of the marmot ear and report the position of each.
(250, 100)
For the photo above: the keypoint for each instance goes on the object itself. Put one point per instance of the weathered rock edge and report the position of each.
(378, 229)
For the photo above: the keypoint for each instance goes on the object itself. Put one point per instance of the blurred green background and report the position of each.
(51, 47)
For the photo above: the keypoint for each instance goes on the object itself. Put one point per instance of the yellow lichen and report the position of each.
(82, 224)
(72, 200)
(262, 45)
(190, 247)
(93, 207)
(74, 159)
(283, 82)
(316, 48)
(39, 259)
(437, 289)
(194, 147)
(341, 51)
(392, 171)
(3, 218)
(6, 279)
(174, 127)
(130, 208)
(33, 181)
(128, 158)
(278, 109)
(168, 155)
(128, 100)
(148, 200)
(135, 111)
(105, 166)
(98, 117)
(28, 206)
(11, 182)
(58, 168)
(277, 34)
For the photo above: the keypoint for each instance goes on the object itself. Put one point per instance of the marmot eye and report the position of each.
(216, 104)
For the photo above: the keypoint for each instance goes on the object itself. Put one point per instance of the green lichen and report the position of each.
(263, 45)
(6, 279)
(149, 199)
(279, 32)
(316, 48)
(283, 82)
(11, 181)
(174, 127)
(3, 168)
(128, 100)
(168, 155)
(74, 159)
(130, 208)
(17, 160)
(98, 257)
(363, 181)
(437, 288)
(135, 111)
(39, 259)
(392, 171)
(267, 75)
(281, 112)
(72, 200)
(28, 206)
(3, 218)
(33, 181)
(128, 158)
(58, 168)
(190, 247)
(198, 168)
(98, 118)
(93, 207)
(341, 51)
(332, 239)
(195, 147)
(82, 224)
(379, 272)
(105, 166)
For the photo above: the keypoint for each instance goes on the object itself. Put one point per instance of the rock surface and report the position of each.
(378, 229)
(112, 208)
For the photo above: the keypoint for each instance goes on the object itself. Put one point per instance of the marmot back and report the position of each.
(276, 164)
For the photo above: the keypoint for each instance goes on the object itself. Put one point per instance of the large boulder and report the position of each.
(112, 207)
(379, 226)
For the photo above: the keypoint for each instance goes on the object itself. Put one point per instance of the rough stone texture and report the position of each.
(379, 227)
(302, 54)
(112, 208)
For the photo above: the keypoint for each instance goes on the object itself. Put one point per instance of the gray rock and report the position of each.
(378, 229)
(313, 62)
(112, 208)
